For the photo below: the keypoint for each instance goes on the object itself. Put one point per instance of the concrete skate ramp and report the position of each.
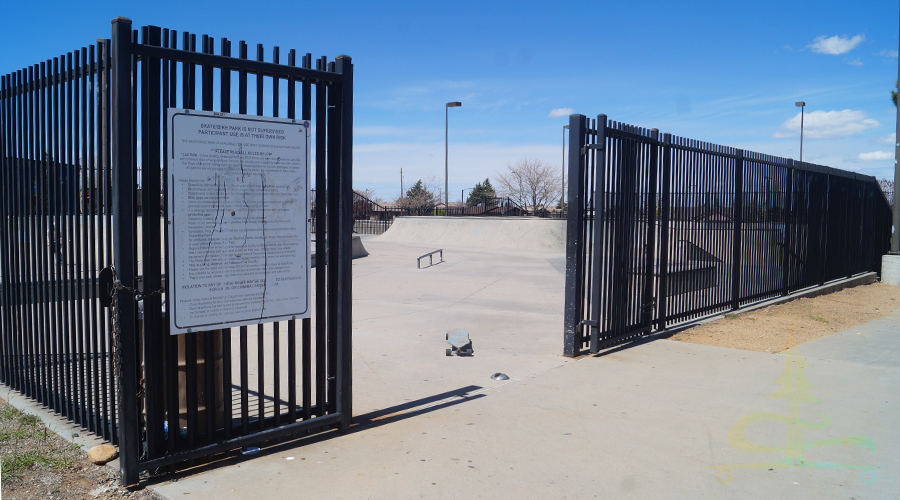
(494, 233)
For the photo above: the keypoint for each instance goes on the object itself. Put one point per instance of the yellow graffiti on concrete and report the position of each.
(794, 387)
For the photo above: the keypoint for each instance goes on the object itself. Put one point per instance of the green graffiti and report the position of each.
(795, 388)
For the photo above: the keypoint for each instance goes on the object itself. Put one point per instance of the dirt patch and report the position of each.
(779, 327)
(38, 464)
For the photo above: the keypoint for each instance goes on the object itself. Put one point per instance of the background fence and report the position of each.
(665, 229)
(370, 217)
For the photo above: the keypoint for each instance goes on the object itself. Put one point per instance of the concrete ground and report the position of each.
(658, 420)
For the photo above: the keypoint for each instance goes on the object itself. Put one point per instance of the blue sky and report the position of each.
(721, 72)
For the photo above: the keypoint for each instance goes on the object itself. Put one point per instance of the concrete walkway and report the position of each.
(659, 420)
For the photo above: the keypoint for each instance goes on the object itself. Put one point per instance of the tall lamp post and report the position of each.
(890, 263)
(562, 192)
(454, 104)
(801, 105)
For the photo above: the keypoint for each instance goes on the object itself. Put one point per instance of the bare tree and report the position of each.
(530, 183)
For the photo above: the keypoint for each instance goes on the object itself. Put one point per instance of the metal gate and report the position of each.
(83, 148)
(663, 230)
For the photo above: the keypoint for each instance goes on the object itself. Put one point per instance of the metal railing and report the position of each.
(430, 256)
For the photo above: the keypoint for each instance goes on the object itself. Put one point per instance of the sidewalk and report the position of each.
(663, 419)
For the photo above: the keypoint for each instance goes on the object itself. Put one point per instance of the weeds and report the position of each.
(16, 463)
(821, 320)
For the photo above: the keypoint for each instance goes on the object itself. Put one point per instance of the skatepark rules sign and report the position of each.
(238, 224)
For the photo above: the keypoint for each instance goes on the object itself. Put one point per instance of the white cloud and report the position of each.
(835, 45)
(875, 156)
(887, 53)
(889, 139)
(560, 112)
(854, 62)
(827, 124)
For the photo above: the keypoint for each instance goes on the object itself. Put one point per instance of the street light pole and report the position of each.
(801, 105)
(454, 104)
(895, 236)
(562, 193)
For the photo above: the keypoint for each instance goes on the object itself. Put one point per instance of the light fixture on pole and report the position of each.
(562, 192)
(454, 104)
(801, 105)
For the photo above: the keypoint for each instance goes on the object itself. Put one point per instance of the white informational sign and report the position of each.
(239, 235)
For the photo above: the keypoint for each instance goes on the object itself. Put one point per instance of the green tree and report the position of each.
(419, 197)
(480, 192)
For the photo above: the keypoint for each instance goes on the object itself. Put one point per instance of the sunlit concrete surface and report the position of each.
(662, 419)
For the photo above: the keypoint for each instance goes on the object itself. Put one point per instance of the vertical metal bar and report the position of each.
(663, 270)
(46, 392)
(55, 195)
(5, 236)
(647, 308)
(123, 200)
(85, 235)
(260, 344)
(225, 106)
(30, 233)
(261, 376)
(172, 389)
(292, 324)
(738, 227)
(109, 373)
(306, 323)
(786, 215)
(574, 223)
(599, 245)
(344, 67)
(69, 201)
(334, 204)
(276, 330)
(79, 236)
(92, 237)
(154, 336)
(322, 206)
(209, 356)
(245, 384)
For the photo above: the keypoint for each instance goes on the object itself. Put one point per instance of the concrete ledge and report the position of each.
(357, 249)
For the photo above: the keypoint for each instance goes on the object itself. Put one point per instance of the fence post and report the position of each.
(344, 66)
(574, 244)
(598, 245)
(647, 309)
(786, 214)
(738, 227)
(663, 270)
(124, 249)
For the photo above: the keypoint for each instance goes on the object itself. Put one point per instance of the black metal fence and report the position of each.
(665, 230)
(54, 148)
(77, 127)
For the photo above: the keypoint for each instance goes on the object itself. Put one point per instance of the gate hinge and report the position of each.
(598, 147)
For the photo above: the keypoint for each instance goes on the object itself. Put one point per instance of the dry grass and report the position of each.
(780, 327)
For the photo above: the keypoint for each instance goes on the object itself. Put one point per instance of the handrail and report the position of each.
(430, 256)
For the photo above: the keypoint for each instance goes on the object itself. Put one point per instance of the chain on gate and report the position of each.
(109, 281)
